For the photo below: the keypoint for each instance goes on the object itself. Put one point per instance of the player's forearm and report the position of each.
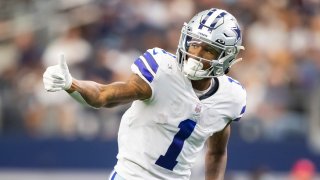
(215, 166)
(88, 90)
(99, 95)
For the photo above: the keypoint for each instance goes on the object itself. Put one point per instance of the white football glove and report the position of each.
(57, 77)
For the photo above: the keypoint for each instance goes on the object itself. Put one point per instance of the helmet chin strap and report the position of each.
(193, 69)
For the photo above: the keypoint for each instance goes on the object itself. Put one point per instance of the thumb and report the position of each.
(62, 62)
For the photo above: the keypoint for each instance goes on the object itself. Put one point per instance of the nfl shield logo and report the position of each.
(198, 108)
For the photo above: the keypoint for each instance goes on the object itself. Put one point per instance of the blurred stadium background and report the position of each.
(49, 136)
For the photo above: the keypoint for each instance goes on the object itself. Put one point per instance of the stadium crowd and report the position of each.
(100, 39)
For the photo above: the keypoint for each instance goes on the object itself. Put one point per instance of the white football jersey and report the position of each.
(160, 138)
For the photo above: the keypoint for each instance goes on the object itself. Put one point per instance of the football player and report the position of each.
(179, 102)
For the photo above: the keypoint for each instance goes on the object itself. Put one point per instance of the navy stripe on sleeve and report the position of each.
(114, 175)
(243, 110)
(143, 69)
(237, 119)
(151, 61)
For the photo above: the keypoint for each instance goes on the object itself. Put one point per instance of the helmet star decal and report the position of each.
(237, 31)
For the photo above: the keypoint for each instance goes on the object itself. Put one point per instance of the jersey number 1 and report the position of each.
(169, 160)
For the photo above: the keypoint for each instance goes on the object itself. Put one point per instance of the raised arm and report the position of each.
(110, 95)
(57, 78)
(216, 155)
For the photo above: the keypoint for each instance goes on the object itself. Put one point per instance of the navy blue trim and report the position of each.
(243, 110)
(114, 175)
(206, 18)
(215, 21)
(151, 61)
(212, 91)
(237, 119)
(143, 69)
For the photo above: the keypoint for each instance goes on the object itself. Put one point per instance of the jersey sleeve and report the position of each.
(146, 67)
(239, 105)
(150, 66)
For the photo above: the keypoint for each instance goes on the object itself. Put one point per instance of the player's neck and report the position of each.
(201, 85)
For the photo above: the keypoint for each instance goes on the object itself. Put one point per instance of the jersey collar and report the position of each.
(212, 91)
